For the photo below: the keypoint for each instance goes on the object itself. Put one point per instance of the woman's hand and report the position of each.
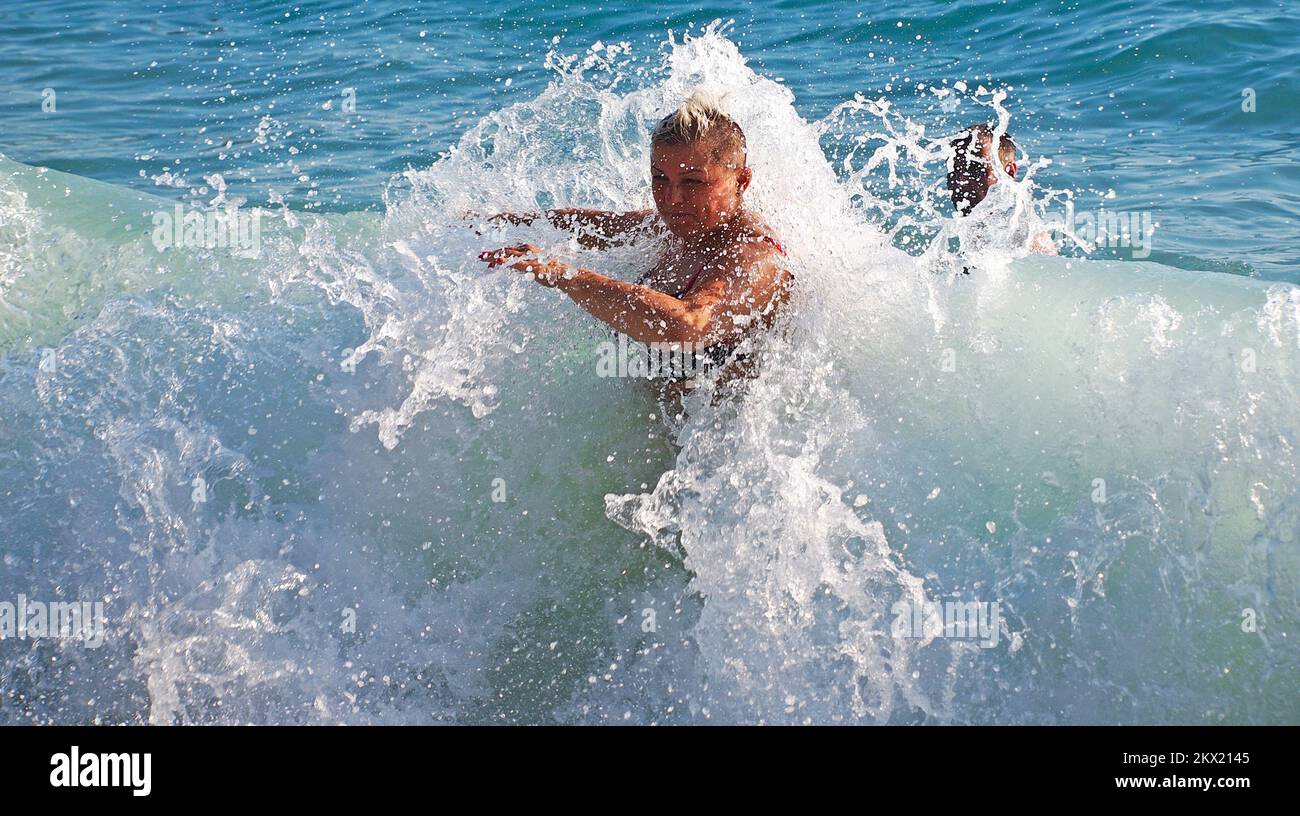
(516, 219)
(524, 257)
(503, 217)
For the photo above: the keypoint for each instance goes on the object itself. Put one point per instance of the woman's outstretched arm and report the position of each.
(595, 229)
(724, 304)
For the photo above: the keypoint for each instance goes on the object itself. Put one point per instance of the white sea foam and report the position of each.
(391, 435)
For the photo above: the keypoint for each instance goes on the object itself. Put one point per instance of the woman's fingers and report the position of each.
(510, 251)
(496, 257)
(524, 257)
(514, 218)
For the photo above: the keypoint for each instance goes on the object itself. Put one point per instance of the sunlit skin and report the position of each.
(986, 153)
(985, 158)
(695, 195)
(699, 201)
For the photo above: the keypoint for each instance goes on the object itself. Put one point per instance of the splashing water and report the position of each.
(356, 478)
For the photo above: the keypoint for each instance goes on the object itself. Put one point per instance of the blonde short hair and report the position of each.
(701, 118)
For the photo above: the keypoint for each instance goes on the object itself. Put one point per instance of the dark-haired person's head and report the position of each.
(972, 171)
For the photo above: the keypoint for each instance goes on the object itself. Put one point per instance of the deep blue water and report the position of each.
(1137, 103)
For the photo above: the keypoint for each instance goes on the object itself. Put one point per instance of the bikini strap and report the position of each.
(774, 243)
(682, 292)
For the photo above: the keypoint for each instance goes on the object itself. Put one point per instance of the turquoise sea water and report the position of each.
(345, 475)
(1140, 98)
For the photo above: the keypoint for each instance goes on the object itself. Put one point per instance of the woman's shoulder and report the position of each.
(752, 228)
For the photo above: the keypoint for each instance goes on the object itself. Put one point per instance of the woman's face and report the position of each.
(695, 193)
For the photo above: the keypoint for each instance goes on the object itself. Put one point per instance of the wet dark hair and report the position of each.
(968, 173)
